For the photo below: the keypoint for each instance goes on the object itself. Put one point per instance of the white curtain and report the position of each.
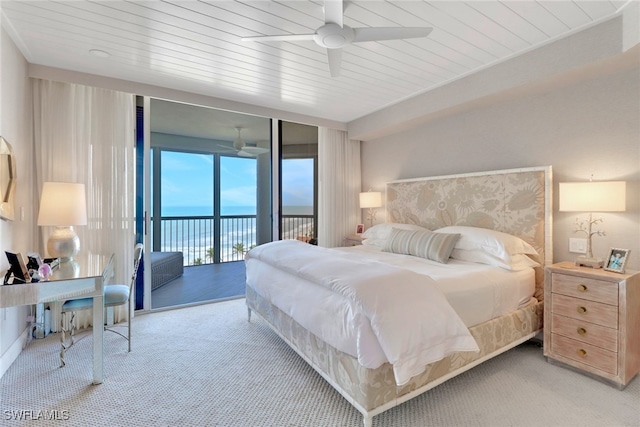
(86, 135)
(339, 186)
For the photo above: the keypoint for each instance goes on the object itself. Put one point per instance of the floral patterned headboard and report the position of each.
(515, 201)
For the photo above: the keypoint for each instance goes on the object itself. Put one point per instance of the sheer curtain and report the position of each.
(86, 135)
(338, 187)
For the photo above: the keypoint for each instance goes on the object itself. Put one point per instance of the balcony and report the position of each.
(196, 236)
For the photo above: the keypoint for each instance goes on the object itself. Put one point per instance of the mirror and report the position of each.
(7, 180)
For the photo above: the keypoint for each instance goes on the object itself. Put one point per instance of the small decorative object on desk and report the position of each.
(616, 260)
(359, 228)
(44, 271)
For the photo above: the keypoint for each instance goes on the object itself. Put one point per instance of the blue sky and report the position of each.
(187, 182)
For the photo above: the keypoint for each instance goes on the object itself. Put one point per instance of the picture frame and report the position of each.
(616, 260)
(359, 228)
(34, 261)
(17, 269)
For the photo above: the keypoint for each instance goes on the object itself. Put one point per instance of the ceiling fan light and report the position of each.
(332, 36)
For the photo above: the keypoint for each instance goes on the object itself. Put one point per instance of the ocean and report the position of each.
(229, 210)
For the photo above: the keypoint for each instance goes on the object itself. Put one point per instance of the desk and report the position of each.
(84, 277)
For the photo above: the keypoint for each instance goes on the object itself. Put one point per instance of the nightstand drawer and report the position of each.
(581, 309)
(581, 287)
(587, 354)
(587, 332)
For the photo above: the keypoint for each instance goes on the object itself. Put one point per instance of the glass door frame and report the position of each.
(147, 199)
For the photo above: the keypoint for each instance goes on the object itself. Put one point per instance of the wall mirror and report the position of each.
(7, 180)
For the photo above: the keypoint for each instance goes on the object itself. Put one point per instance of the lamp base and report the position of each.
(63, 243)
(583, 261)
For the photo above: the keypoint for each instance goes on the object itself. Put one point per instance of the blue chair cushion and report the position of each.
(77, 304)
(116, 294)
(113, 295)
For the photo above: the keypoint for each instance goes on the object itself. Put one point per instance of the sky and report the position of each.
(187, 184)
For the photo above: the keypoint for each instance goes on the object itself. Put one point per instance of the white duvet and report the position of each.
(393, 314)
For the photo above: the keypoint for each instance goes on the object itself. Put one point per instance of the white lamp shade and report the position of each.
(592, 196)
(371, 199)
(62, 204)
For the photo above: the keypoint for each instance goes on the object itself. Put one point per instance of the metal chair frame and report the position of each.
(87, 303)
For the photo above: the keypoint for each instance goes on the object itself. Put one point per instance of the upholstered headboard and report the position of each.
(514, 201)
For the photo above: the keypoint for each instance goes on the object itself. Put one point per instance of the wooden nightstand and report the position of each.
(592, 321)
(353, 240)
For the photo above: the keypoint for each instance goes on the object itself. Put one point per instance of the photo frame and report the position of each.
(616, 260)
(359, 228)
(17, 269)
(34, 261)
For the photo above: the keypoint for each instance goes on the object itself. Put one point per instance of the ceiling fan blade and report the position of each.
(333, 11)
(281, 38)
(243, 153)
(253, 151)
(335, 60)
(368, 34)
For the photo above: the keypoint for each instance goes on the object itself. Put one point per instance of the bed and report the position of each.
(495, 293)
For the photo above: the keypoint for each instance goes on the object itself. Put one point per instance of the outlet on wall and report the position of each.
(577, 246)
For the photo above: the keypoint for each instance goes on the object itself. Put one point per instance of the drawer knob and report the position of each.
(582, 310)
(582, 353)
(582, 331)
(582, 288)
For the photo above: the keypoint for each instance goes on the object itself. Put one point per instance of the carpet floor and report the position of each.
(207, 366)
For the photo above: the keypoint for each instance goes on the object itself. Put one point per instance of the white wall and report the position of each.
(588, 128)
(17, 235)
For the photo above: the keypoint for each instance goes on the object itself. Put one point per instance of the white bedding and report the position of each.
(477, 292)
(324, 312)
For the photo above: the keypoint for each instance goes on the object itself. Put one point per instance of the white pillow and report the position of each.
(496, 243)
(382, 231)
(518, 261)
(378, 243)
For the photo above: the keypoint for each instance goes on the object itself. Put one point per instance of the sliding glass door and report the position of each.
(299, 182)
(208, 192)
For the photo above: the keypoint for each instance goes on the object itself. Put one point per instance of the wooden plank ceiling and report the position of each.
(196, 46)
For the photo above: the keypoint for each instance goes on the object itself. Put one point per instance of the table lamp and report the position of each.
(591, 197)
(63, 205)
(370, 200)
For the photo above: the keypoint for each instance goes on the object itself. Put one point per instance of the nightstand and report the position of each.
(592, 321)
(353, 240)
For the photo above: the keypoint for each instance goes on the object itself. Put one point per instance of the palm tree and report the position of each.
(197, 261)
(238, 248)
(210, 253)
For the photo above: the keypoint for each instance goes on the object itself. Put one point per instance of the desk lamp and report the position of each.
(63, 205)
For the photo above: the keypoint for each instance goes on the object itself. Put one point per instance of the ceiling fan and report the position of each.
(334, 35)
(244, 150)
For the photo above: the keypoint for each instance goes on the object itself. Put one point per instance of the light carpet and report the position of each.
(207, 366)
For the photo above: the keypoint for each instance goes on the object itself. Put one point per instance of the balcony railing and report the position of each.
(195, 236)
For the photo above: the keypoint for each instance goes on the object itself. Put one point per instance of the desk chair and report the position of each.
(114, 295)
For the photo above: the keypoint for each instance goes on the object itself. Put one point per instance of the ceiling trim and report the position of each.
(142, 89)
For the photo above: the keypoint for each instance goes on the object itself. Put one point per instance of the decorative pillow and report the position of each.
(496, 243)
(424, 244)
(379, 233)
(518, 261)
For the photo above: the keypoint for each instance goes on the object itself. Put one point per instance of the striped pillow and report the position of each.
(424, 244)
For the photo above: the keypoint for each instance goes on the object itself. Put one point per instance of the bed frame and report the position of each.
(515, 201)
